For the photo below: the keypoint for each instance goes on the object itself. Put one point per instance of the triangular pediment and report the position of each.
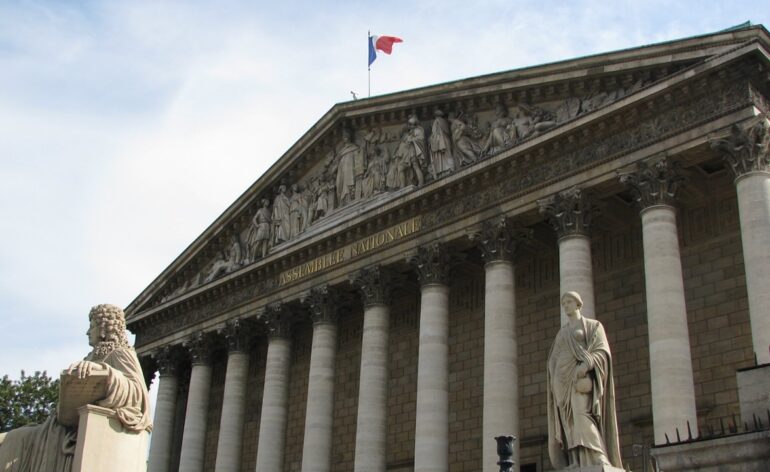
(363, 154)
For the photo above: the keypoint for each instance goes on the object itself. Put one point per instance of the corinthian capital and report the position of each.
(199, 347)
(432, 264)
(497, 239)
(569, 212)
(276, 320)
(322, 302)
(374, 283)
(166, 359)
(654, 183)
(746, 149)
(237, 334)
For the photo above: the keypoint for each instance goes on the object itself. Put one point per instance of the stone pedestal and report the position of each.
(103, 443)
(754, 393)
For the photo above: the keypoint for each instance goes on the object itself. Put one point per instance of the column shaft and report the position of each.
(576, 272)
(673, 394)
(163, 424)
(754, 209)
(501, 386)
(372, 422)
(233, 406)
(431, 449)
(317, 449)
(194, 435)
(275, 399)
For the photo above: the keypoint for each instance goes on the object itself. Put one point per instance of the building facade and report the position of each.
(384, 297)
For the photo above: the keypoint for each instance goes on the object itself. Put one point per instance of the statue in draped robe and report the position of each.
(50, 447)
(582, 425)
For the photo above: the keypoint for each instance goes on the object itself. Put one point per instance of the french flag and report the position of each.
(383, 43)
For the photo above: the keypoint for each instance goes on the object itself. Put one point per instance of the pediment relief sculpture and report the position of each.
(369, 162)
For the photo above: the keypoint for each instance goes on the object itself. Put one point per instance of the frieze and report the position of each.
(530, 173)
(603, 149)
(369, 162)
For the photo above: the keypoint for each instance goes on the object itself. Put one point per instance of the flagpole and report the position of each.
(368, 68)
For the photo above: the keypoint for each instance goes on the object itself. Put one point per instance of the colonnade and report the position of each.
(654, 185)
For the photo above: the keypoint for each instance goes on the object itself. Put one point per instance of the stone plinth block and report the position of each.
(103, 443)
(738, 453)
(754, 393)
(75, 392)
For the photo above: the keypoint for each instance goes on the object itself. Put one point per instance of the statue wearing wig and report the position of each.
(50, 447)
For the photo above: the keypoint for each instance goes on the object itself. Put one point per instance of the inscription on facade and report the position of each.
(351, 251)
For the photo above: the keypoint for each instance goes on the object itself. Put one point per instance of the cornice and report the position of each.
(258, 279)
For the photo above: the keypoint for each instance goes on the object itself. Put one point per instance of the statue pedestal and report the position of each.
(593, 468)
(103, 443)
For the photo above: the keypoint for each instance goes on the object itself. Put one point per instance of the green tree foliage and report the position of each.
(31, 399)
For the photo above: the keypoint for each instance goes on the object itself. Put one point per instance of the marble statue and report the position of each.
(411, 154)
(442, 160)
(50, 447)
(228, 261)
(502, 134)
(298, 209)
(582, 425)
(281, 220)
(467, 150)
(258, 239)
(350, 168)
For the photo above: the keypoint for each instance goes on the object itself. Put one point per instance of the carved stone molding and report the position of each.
(569, 212)
(167, 360)
(654, 183)
(322, 303)
(746, 149)
(199, 347)
(374, 283)
(236, 334)
(276, 320)
(432, 264)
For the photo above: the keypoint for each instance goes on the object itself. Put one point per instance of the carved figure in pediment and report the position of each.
(502, 132)
(229, 260)
(281, 217)
(298, 211)
(376, 173)
(350, 168)
(411, 154)
(442, 159)
(325, 192)
(113, 370)
(466, 147)
(258, 240)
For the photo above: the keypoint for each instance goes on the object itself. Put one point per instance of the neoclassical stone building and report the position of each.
(385, 295)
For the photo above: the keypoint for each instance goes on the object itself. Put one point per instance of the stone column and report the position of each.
(747, 153)
(275, 397)
(501, 379)
(319, 415)
(194, 434)
(229, 445)
(165, 405)
(570, 212)
(673, 393)
(431, 441)
(372, 422)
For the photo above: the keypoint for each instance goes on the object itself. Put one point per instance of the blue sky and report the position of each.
(127, 127)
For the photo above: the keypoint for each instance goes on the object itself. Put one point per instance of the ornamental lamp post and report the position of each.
(505, 452)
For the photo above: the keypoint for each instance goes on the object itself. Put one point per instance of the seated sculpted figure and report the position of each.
(50, 447)
(582, 426)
